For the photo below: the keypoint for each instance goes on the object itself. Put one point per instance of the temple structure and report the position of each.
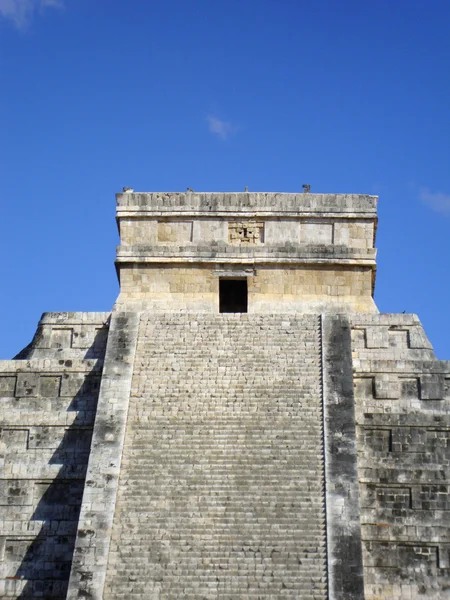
(243, 425)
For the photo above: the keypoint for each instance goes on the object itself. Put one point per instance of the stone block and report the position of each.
(444, 556)
(14, 439)
(174, 232)
(282, 231)
(45, 437)
(387, 386)
(61, 337)
(7, 385)
(377, 440)
(27, 384)
(432, 387)
(409, 439)
(72, 384)
(49, 385)
(418, 338)
(15, 492)
(377, 337)
(432, 497)
(316, 233)
(83, 336)
(388, 497)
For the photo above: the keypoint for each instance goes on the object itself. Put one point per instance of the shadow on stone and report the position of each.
(47, 557)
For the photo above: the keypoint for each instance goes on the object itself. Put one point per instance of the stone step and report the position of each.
(223, 449)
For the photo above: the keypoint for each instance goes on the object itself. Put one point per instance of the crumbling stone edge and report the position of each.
(344, 550)
(87, 577)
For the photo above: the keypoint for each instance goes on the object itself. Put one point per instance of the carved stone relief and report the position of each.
(245, 232)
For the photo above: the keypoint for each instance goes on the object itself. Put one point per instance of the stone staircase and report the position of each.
(221, 493)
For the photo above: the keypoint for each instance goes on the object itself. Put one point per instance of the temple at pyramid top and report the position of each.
(246, 252)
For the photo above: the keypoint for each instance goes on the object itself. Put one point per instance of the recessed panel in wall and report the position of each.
(281, 231)
(174, 232)
(316, 233)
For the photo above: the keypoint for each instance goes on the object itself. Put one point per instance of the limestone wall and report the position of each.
(48, 406)
(354, 233)
(271, 289)
(402, 396)
(311, 289)
(300, 252)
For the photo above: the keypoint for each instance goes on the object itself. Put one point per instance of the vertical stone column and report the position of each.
(345, 567)
(88, 573)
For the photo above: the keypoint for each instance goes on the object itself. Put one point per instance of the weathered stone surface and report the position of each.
(298, 451)
(221, 487)
(403, 431)
(308, 253)
(345, 567)
(99, 498)
(48, 406)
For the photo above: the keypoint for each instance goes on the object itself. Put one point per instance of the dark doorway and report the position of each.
(233, 295)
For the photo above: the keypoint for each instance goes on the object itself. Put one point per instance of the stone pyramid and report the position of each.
(243, 425)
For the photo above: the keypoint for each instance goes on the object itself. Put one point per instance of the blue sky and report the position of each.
(348, 96)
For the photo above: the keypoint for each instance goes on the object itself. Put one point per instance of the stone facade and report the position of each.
(48, 402)
(402, 395)
(299, 252)
(243, 425)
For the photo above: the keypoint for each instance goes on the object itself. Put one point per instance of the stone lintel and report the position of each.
(235, 273)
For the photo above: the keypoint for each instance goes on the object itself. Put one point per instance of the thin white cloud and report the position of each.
(437, 201)
(222, 129)
(21, 12)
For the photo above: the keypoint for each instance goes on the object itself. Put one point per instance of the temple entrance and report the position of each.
(233, 296)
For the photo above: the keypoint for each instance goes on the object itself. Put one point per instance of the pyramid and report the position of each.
(244, 424)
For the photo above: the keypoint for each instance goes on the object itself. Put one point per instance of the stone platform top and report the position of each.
(272, 203)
